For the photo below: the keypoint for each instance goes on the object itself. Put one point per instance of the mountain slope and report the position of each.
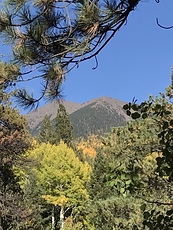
(35, 117)
(95, 116)
(98, 116)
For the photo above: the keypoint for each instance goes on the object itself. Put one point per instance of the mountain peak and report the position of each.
(86, 116)
(102, 99)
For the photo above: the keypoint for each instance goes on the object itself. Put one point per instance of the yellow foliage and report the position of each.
(70, 225)
(35, 144)
(55, 200)
(59, 174)
(90, 145)
(152, 157)
(20, 173)
(149, 162)
(91, 152)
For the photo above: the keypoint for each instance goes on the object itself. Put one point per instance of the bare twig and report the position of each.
(164, 27)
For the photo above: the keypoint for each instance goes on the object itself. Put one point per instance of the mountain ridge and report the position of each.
(96, 115)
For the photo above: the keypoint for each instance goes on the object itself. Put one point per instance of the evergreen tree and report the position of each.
(101, 208)
(98, 184)
(45, 133)
(63, 130)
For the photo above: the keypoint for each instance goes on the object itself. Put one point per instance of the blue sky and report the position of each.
(136, 63)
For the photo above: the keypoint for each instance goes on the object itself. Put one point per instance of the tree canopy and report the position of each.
(49, 38)
(63, 129)
(45, 132)
(159, 109)
(14, 140)
(59, 176)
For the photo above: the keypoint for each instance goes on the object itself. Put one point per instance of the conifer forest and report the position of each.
(54, 181)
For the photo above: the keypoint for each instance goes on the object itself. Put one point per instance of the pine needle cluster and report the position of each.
(52, 37)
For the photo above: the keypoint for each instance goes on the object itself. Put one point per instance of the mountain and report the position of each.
(36, 117)
(95, 116)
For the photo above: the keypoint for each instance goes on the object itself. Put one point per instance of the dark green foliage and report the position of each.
(103, 208)
(98, 187)
(109, 207)
(14, 140)
(103, 215)
(113, 213)
(40, 216)
(131, 154)
(161, 110)
(158, 219)
(45, 133)
(63, 130)
(59, 129)
(137, 111)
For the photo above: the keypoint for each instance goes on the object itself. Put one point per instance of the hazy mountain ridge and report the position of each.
(35, 117)
(95, 116)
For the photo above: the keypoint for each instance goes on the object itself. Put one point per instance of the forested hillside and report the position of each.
(95, 120)
(97, 116)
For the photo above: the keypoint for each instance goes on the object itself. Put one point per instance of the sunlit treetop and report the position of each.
(51, 37)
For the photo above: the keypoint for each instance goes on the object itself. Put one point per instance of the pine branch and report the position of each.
(62, 32)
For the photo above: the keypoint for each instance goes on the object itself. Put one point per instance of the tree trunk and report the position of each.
(62, 217)
(53, 218)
